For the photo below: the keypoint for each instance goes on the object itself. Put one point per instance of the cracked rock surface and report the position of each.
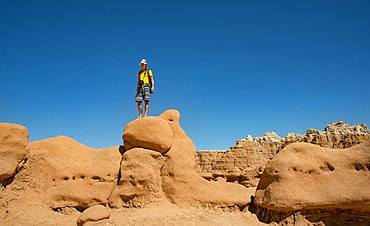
(13, 150)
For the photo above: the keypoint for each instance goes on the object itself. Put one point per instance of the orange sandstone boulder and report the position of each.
(93, 214)
(66, 173)
(140, 180)
(305, 176)
(152, 133)
(180, 181)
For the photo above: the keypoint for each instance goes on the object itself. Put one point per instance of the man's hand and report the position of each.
(152, 90)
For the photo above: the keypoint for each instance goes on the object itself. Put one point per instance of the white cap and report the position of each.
(143, 61)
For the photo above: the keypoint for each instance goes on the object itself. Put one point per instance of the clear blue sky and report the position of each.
(232, 68)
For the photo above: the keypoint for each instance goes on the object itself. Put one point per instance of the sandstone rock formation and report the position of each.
(245, 162)
(64, 176)
(140, 182)
(74, 174)
(305, 177)
(51, 181)
(61, 172)
(13, 149)
(158, 139)
(150, 171)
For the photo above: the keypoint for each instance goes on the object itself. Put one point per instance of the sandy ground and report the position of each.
(147, 216)
(177, 216)
(18, 212)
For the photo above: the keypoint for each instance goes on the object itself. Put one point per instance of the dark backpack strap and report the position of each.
(150, 78)
(138, 88)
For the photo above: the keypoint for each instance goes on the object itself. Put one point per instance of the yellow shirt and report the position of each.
(144, 76)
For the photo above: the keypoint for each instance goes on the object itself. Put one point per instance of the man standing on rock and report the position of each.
(145, 86)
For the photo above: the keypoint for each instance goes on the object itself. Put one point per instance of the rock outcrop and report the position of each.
(151, 173)
(51, 181)
(61, 172)
(306, 177)
(158, 166)
(13, 150)
(245, 162)
(158, 139)
(140, 182)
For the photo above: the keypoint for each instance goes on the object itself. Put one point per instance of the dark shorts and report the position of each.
(143, 94)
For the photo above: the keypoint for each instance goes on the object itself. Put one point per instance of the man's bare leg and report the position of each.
(140, 109)
(146, 108)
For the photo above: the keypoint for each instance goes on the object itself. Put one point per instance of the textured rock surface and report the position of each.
(59, 178)
(305, 177)
(94, 213)
(140, 181)
(180, 181)
(74, 175)
(150, 175)
(61, 172)
(13, 149)
(159, 139)
(245, 162)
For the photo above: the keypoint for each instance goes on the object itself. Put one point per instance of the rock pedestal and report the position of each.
(163, 168)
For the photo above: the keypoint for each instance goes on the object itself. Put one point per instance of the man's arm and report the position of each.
(151, 81)
(152, 78)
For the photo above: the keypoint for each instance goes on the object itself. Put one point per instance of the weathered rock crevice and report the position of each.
(13, 151)
(18, 169)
